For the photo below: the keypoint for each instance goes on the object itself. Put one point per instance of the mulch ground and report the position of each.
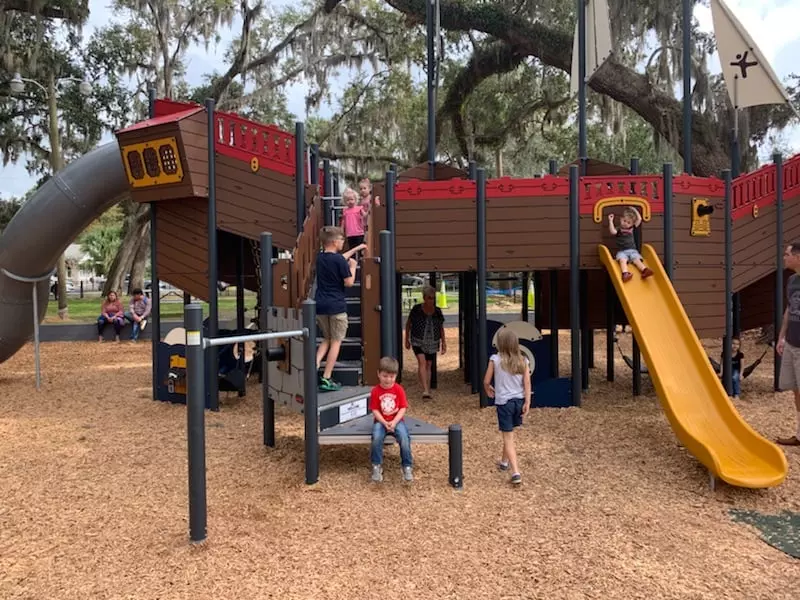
(93, 498)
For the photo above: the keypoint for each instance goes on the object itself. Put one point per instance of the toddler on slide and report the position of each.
(626, 245)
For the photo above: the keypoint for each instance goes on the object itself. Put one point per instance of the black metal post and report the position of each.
(396, 279)
(727, 373)
(213, 265)
(267, 402)
(434, 375)
(299, 173)
(391, 206)
(461, 323)
(688, 5)
(735, 165)
(584, 322)
(327, 210)
(240, 308)
(669, 248)
(310, 406)
(430, 22)
(553, 166)
(482, 266)
(525, 307)
(455, 455)
(582, 154)
(574, 283)
(387, 299)
(314, 164)
(636, 354)
(335, 188)
(473, 168)
(327, 176)
(779, 250)
(611, 327)
(195, 420)
(537, 300)
(472, 319)
(554, 323)
(155, 296)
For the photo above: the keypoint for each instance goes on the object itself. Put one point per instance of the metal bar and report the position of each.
(581, 9)
(669, 248)
(335, 189)
(553, 324)
(155, 296)
(574, 283)
(36, 357)
(310, 405)
(213, 255)
(461, 344)
(434, 375)
(327, 211)
(299, 179)
(240, 309)
(636, 354)
(611, 326)
(727, 373)
(525, 308)
(385, 238)
(314, 167)
(584, 323)
(473, 168)
(430, 17)
(391, 208)
(397, 307)
(255, 337)
(455, 455)
(553, 166)
(267, 403)
(735, 168)
(779, 250)
(687, 86)
(472, 342)
(195, 420)
(482, 266)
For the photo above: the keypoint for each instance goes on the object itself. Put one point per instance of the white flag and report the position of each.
(598, 41)
(748, 76)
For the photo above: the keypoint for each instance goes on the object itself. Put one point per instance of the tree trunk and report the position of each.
(140, 262)
(127, 251)
(63, 310)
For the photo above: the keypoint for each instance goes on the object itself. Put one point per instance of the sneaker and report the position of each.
(377, 473)
(516, 479)
(626, 276)
(407, 474)
(502, 465)
(647, 273)
(142, 324)
(328, 385)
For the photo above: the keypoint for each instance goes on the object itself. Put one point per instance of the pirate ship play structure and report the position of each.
(264, 179)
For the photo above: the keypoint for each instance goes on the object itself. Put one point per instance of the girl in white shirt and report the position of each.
(511, 393)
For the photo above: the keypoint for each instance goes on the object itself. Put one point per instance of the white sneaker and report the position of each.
(377, 473)
(407, 474)
(142, 324)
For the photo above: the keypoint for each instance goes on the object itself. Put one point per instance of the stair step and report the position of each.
(350, 350)
(346, 372)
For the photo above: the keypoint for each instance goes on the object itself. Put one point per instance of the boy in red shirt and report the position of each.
(388, 404)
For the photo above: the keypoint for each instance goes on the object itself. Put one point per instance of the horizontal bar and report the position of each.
(256, 337)
(331, 197)
(366, 438)
(11, 275)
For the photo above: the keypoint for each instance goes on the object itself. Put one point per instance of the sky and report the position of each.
(771, 23)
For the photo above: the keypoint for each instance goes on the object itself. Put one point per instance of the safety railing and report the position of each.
(305, 253)
(273, 147)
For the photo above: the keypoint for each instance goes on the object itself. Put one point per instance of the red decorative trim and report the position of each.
(244, 139)
(508, 187)
(418, 189)
(647, 187)
(707, 187)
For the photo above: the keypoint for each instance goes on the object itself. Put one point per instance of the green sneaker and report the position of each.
(328, 385)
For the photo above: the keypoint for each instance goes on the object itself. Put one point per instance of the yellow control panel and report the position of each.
(701, 217)
(155, 162)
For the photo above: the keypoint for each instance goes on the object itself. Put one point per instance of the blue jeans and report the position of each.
(737, 383)
(402, 437)
(135, 326)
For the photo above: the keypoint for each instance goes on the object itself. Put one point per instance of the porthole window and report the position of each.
(151, 162)
(135, 164)
(168, 160)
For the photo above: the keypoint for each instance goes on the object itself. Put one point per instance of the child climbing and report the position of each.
(511, 393)
(626, 245)
(353, 218)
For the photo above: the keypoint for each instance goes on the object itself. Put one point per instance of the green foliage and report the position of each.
(101, 243)
(8, 208)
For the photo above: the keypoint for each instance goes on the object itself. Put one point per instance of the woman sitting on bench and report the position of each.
(111, 312)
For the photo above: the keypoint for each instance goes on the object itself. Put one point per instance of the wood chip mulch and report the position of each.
(93, 497)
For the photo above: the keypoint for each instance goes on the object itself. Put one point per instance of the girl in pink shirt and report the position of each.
(353, 218)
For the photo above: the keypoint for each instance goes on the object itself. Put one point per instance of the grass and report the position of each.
(87, 309)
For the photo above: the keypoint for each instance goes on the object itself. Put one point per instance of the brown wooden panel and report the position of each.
(370, 320)
(757, 301)
(194, 142)
(281, 282)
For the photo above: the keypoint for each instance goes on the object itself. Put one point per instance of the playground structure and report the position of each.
(212, 201)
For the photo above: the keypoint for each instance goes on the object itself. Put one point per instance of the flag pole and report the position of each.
(687, 87)
(430, 13)
(735, 166)
(582, 86)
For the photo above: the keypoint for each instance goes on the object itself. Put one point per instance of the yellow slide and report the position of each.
(693, 398)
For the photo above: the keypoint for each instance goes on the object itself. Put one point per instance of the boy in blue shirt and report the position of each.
(335, 271)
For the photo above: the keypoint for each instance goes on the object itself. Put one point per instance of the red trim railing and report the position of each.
(596, 188)
(245, 140)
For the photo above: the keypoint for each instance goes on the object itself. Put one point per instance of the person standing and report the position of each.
(789, 338)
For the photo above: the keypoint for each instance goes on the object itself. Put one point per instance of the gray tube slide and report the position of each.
(44, 227)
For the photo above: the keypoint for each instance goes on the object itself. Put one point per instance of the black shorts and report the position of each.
(354, 240)
(417, 351)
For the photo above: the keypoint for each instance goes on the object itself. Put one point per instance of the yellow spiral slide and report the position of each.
(694, 400)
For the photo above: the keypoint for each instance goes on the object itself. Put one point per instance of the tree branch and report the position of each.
(364, 157)
(74, 13)
(351, 108)
(223, 83)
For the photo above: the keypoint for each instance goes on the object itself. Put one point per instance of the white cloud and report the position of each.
(772, 24)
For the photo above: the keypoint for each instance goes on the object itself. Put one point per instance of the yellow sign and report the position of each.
(641, 203)
(701, 217)
(254, 164)
(155, 162)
